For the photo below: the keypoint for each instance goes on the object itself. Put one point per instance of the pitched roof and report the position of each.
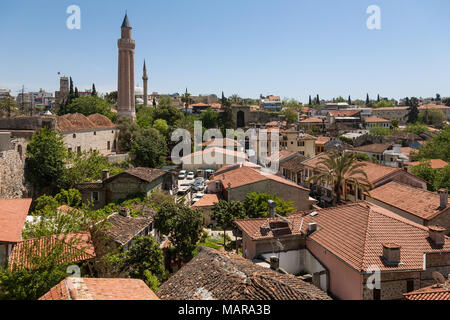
(244, 175)
(375, 120)
(375, 172)
(72, 122)
(222, 155)
(208, 200)
(72, 288)
(344, 113)
(13, 214)
(322, 140)
(124, 229)
(294, 163)
(75, 247)
(145, 174)
(434, 292)
(214, 275)
(435, 163)
(373, 148)
(311, 120)
(221, 142)
(355, 233)
(418, 202)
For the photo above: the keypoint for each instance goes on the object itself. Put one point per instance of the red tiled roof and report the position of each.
(220, 143)
(100, 289)
(434, 292)
(276, 124)
(78, 122)
(208, 200)
(13, 214)
(421, 203)
(344, 113)
(373, 148)
(375, 120)
(311, 120)
(355, 233)
(75, 247)
(433, 106)
(244, 175)
(435, 163)
(322, 140)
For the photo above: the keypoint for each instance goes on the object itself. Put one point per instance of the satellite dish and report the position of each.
(439, 278)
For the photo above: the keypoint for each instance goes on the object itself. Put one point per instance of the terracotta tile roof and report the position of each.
(276, 124)
(322, 140)
(244, 175)
(100, 289)
(375, 172)
(293, 164)
(355, 233)
(434, 292)
(435, 163)
(13, 214)
(375, 120)
(77, 122)
(223, 153)
(76, 247)
(311, 120)
(433, 106)
(421, 203)
(221, 143)
(123, 229)
(344, 113)
(373, 148)
(208, 200)
(233, 166)
(407, 151)
(145, 174)
(214, 275)
(282, 154)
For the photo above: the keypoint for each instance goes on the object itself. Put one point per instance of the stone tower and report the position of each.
(125, 85)
(145, 79)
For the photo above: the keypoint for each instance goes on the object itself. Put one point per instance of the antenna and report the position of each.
(438, 277)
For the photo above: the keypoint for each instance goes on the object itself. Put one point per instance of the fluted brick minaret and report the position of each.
(145, 79)
(125, 89)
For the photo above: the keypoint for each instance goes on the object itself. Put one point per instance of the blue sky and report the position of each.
(290, 48)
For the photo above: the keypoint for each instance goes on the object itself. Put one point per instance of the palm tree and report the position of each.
(337, 170)
(186, 99)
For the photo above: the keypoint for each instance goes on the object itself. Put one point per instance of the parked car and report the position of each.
(190, 176)
(197, 197)
(182, 175)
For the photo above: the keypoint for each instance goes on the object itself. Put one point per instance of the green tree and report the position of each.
(256, 205)
(149, 148)
(290, 114)
(88, 105)
(395, 123)
(210, 119)
(161, 125)
(145, 256)
(384, 104)
(235, 99)
(127, 133)
(416, 128)
(426, 172)
(226, 119)
(183, 226)
(367, 100)
(111, 98)
(44, 165)
(94, 92)
(225, 212)
(337, 170)
(438, 147)
(166, 111)
(8, 105)
(186, 99)
(434, 117)
(380, 131)
(413, 110)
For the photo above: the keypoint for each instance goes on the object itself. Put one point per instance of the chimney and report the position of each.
(124, 212)
(105, 174)
(272, 208)
(391, 252)
(443, 193)
(274, 263)
(312, 227)
(437, 235)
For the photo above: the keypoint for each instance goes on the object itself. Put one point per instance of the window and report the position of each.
(79, 149)
(95, 133)
(302, 153)
(69, 150)
(409, 285)
(300, 143)
(74, 135)
(95, 196)
(376, 294)
(109, 145)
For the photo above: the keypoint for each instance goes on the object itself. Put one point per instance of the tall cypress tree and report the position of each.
(154, 101)
(94, 92)
(378, 98)
(413, 114)
(318, 99)
(76, 94)
(349, 100)
(367, 99)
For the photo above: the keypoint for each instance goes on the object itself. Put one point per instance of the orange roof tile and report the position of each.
(434, 292)
(311, 120)
(208, 200)
(322, 140)
(100, 289)
(421, 203)
(375, 120)
(356, 233)
(76, 122)
(435, 163)
(13, 214)
(344, 113)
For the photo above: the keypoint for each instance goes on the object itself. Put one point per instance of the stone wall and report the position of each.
(101, 140)
(12, 180)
